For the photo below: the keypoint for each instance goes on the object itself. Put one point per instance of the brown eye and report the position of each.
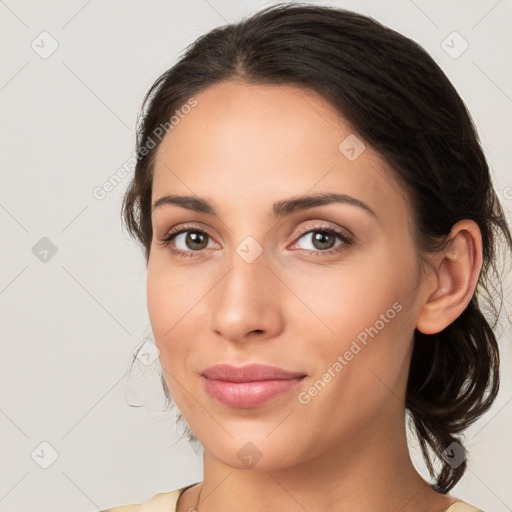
(323, 240)
(186, 241)
(195, 240)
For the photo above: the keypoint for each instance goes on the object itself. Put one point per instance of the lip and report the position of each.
(248, 386)
(248, 373)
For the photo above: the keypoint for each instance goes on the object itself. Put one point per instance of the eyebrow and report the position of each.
(279, 208)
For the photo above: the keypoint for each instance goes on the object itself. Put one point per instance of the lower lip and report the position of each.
(244, 395)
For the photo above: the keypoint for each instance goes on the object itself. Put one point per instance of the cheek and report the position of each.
(178, 303)
(360, 312)
(359, 353)
(169, 296)
(160, 291)
(169, 302)
(339, 302)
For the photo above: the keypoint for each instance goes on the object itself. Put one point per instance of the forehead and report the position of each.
(248, 145)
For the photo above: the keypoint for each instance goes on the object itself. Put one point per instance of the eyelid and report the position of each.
(344, 234)
(325, 224)
(186, 227)
(171, 235)
(303, 230)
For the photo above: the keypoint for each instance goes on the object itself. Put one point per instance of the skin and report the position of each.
(244, 147)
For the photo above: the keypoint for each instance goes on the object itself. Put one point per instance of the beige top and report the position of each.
(166, 502)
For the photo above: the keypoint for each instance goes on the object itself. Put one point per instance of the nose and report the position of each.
(247, 303)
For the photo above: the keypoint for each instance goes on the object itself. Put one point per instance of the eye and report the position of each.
(188, 237)
(190, 241)
(323, 238)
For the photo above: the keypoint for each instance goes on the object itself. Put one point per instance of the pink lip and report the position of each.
(248, 386)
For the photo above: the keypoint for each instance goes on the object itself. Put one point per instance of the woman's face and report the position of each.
(268, 284)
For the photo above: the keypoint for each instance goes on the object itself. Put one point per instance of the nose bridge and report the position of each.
(248, 267)
(245, 299)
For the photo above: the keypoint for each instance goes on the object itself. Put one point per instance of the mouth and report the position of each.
(248, 386)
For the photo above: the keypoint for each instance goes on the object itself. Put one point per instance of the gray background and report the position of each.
(71, 319)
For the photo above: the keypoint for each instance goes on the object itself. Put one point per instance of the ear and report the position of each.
(454, 278)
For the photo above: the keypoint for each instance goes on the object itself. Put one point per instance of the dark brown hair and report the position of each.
(397, 99)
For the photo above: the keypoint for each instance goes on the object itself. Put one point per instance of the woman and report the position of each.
(317, 217)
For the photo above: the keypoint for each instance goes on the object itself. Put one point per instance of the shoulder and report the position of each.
(124, 508)
(462, 506)
(162, 502)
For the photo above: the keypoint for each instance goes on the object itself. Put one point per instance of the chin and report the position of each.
(261, 451)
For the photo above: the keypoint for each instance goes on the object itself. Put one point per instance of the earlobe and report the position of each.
(455, 278)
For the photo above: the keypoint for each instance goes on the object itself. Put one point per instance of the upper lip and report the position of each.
(249, 373)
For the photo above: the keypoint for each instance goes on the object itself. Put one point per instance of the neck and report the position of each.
(370, 472)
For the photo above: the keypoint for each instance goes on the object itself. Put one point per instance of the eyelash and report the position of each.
(346, 241)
